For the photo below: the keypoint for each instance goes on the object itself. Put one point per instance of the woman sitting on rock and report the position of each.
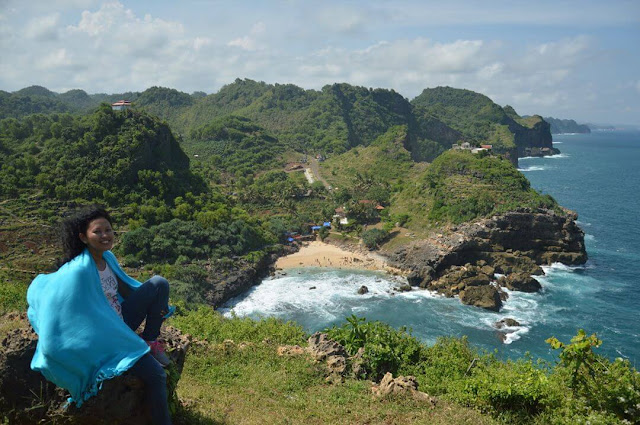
(86, 314)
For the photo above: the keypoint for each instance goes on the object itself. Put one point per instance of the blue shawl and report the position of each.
(82, 341)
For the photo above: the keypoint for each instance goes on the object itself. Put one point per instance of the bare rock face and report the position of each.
(507, 321)
(323, 349)
(520, 282)
(401, 385)
(486, 296)
(28, 398)
(515, 244)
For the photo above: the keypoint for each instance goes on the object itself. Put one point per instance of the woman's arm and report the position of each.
(124, 289)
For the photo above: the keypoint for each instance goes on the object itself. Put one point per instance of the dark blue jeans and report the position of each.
(149, 302)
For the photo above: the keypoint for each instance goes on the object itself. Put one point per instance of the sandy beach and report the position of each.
(320, 254)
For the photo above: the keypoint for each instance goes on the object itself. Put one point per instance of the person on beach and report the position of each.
(86, 314)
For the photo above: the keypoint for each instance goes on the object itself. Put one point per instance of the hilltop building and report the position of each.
(466, 146)
(121, 105)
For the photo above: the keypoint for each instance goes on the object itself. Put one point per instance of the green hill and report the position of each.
(460, 186)
(332, 120)
(15, 105)
(111, 156)
(235, 145)
(480, 120)
(165, 103)
(559, 126)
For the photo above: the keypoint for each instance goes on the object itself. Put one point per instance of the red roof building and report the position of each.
(121, 105)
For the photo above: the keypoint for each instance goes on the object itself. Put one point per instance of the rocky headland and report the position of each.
(475, 261)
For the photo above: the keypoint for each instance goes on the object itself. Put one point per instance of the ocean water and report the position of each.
(597, 175)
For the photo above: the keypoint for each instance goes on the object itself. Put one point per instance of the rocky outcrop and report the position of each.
(506, 322)
(402, 385)
(324, 349)
(485, 296)
(27, 398)
(520, 282)
(226, 284)
(465, 260)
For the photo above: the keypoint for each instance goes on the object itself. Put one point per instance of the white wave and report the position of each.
(419, 293)
(515, 335)
(554, 267)
(560, 155)
(323, 293)
(532, 168)
(582, 223)
(588, 237)
(557, 143)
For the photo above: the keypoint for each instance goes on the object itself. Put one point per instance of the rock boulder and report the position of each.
(28, 398)
(482, 296)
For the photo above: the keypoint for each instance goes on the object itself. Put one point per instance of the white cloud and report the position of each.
(56, 59)
(109, 47)
(342, 19)
(43, 28)
(249, 42)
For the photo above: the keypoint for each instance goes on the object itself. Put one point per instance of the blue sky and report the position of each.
(567, 59)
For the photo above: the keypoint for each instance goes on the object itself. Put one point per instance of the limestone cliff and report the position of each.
(514, 244)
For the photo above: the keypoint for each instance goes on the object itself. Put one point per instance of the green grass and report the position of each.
(253, 385)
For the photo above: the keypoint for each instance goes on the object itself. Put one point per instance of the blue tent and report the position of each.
(326, 224)
(316, 227)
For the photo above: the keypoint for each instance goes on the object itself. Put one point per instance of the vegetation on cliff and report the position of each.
(460, 186)
(480, 120)
(559, 126)
(103, 157)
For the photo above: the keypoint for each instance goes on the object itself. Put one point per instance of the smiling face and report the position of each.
(99, 236)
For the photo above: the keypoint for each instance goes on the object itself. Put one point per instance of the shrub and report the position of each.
(517, 387)
(385, 348)
(372, 238)
(612, 387)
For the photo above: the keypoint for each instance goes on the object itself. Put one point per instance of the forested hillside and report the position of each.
(331, 120)
(479, 119)
(194, 179)
(559, 126)
(105, 156)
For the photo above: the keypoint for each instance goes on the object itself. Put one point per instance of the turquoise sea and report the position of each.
(597, 175)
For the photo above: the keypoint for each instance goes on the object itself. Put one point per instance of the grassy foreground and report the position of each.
(234, 375)
(237, 377)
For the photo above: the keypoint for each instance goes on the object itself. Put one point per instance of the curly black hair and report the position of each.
(78, 223)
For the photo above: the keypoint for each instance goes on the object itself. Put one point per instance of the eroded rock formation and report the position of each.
(465, 261)
(26, 397)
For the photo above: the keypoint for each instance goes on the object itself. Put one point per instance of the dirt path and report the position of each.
(315, 171)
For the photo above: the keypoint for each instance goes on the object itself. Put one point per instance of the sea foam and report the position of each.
(532, 168)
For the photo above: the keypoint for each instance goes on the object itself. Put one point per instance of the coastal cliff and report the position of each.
(222, 285)
(465, 261)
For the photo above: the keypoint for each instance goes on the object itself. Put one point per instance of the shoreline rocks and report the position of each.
(226, 285)
(514, 244)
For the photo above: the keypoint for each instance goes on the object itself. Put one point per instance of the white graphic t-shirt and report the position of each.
(110, 288)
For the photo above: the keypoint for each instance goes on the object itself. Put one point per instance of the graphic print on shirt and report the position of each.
(110, 289)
